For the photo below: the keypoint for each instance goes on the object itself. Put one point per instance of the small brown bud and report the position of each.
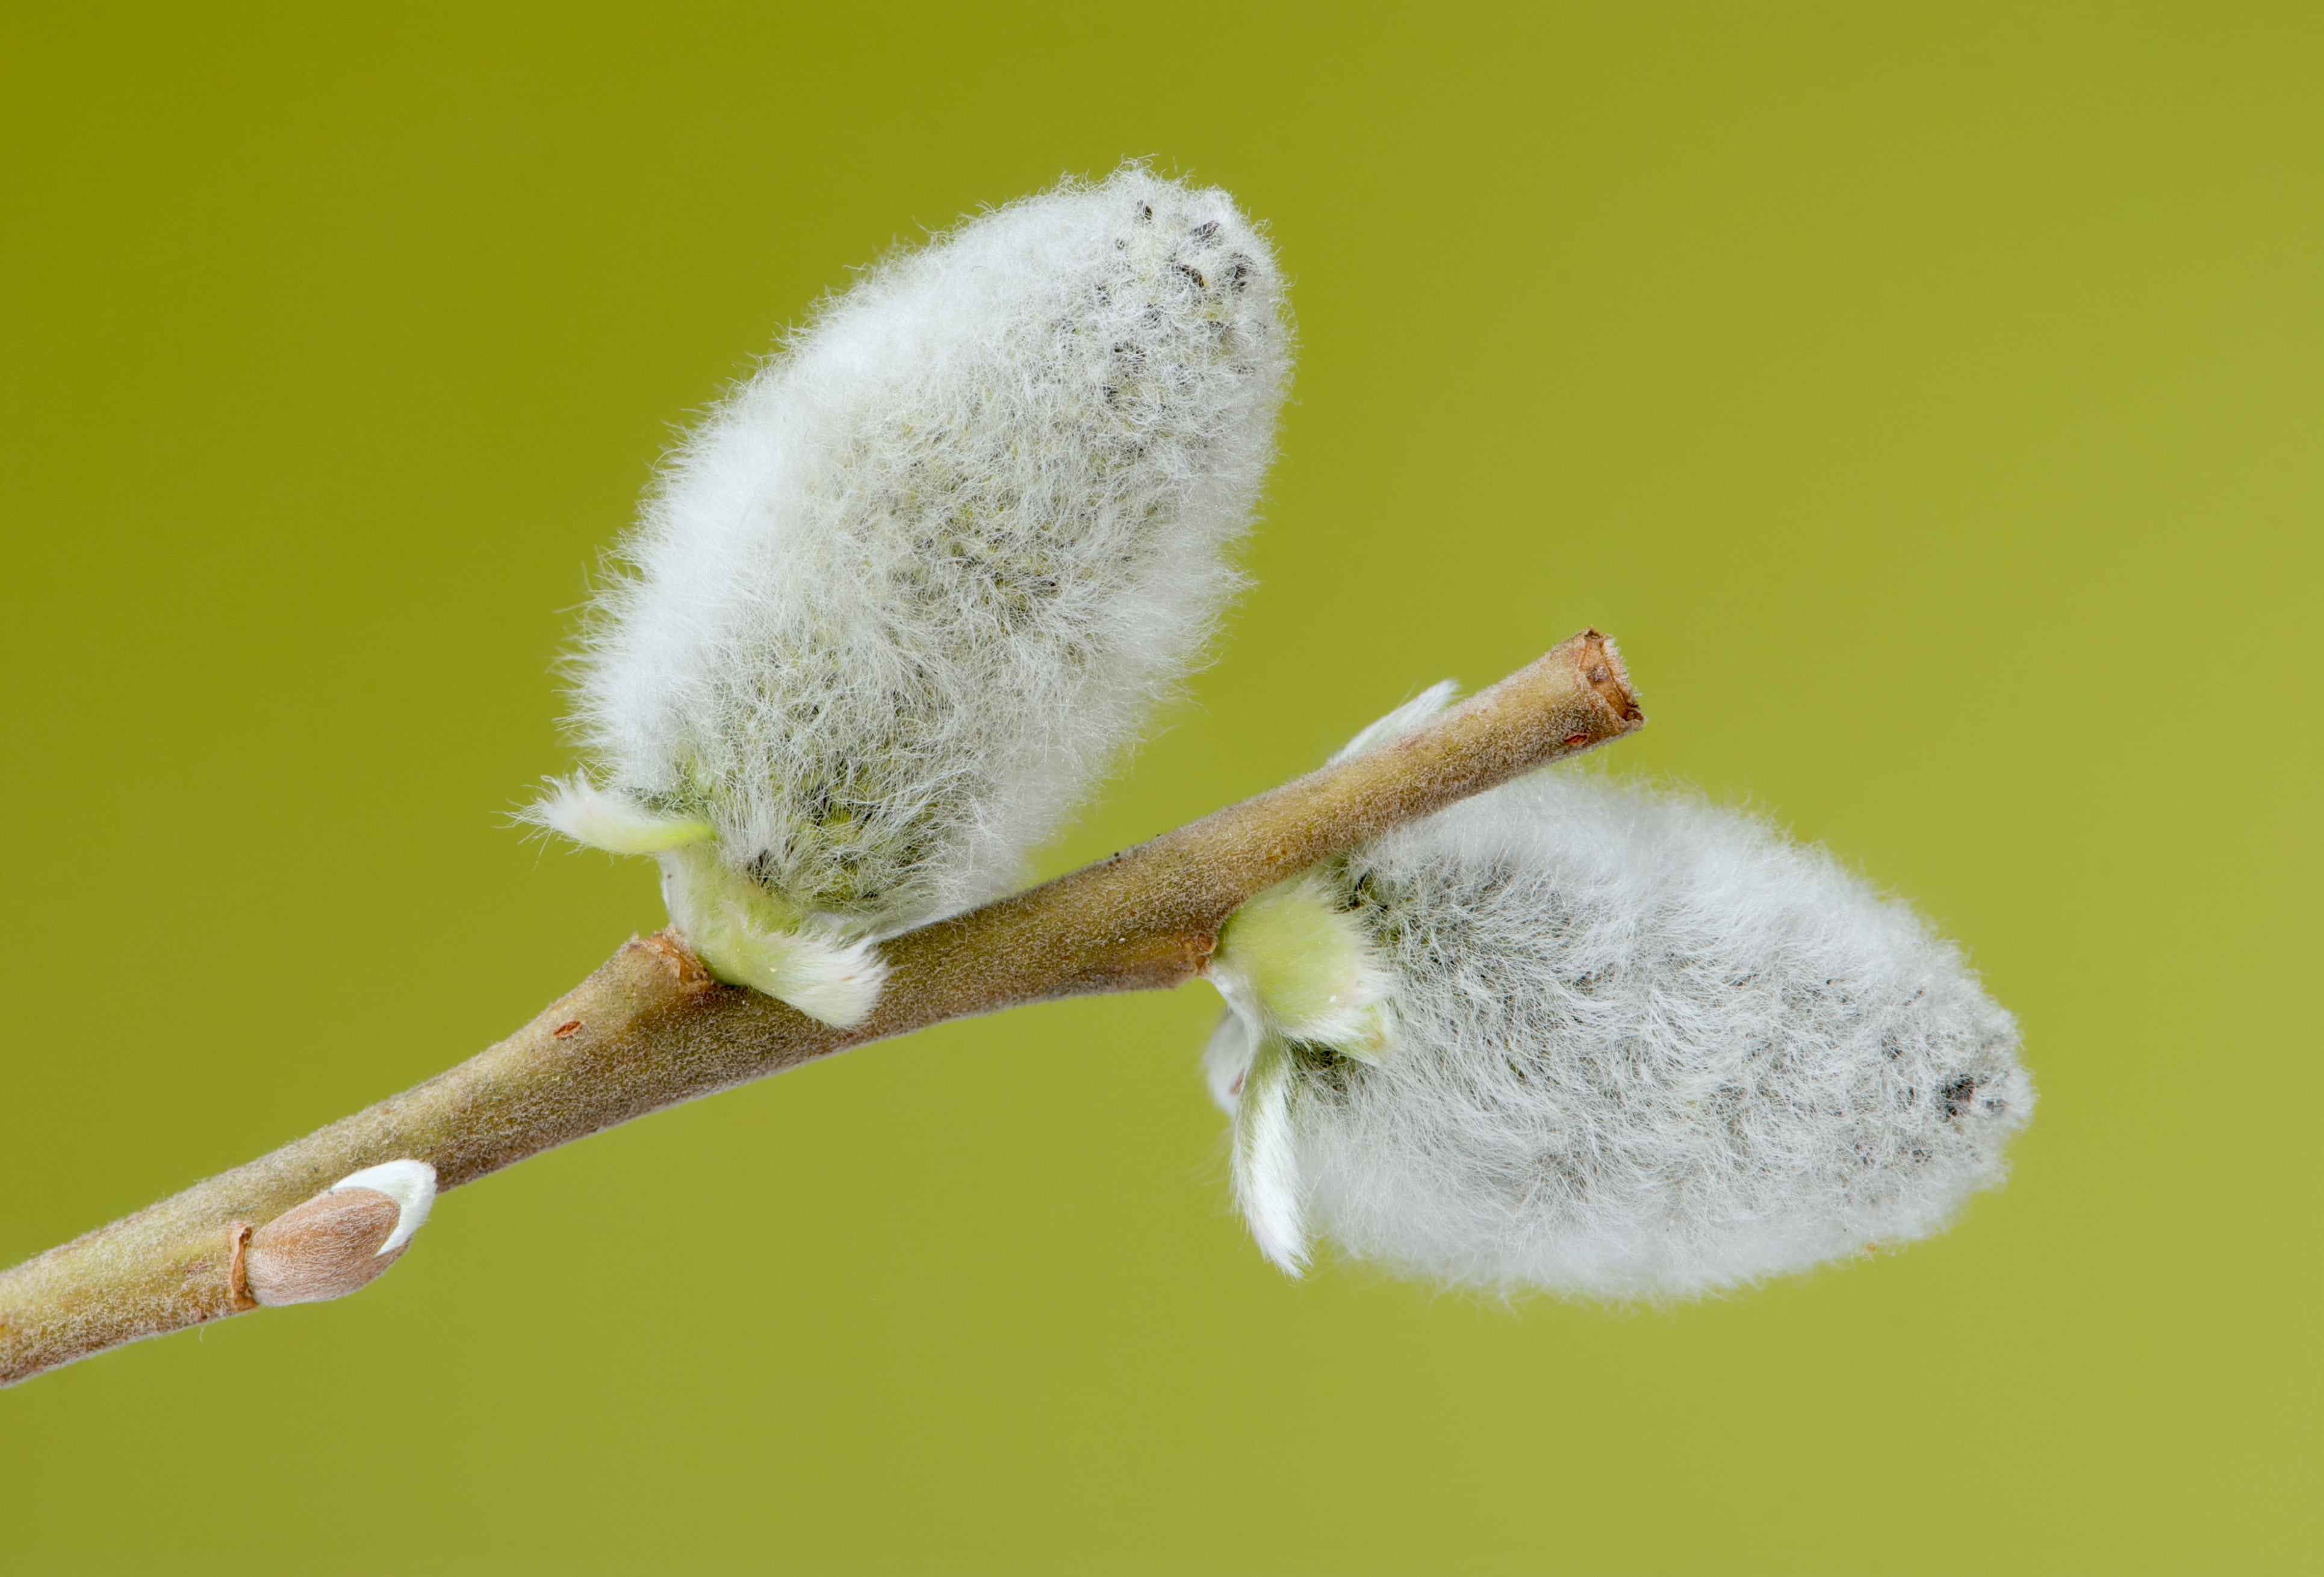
(336, 1242)
(324, 1248)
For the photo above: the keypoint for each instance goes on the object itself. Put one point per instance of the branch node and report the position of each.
(238, 1298)
(674, 958)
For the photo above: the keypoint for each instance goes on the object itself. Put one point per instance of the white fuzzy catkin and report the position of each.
(1640, 1047)
(906, 593)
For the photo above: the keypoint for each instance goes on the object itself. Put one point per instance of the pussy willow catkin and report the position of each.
(901, 599)
(1582, 1038)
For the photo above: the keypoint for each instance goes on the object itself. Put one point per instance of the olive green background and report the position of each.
(1927, 396)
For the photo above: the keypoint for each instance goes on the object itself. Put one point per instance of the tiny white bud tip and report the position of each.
(410, 1184)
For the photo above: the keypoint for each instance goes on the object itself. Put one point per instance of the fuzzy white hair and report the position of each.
(1643, 1048)
(907, 592)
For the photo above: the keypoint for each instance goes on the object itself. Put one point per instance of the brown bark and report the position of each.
(650, 1028)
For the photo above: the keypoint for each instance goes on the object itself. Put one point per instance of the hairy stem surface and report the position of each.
(650, 1027)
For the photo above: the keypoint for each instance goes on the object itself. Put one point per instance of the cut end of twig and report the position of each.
(1600, 663)
(335, 1243)
(1576, 697)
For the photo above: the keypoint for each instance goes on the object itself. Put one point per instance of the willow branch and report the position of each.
(650, 1027)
